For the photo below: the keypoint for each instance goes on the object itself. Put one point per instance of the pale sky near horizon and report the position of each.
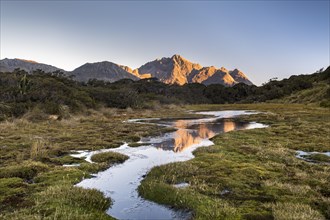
(264, 39)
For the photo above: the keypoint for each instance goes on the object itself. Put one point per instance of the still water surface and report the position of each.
(120, 182)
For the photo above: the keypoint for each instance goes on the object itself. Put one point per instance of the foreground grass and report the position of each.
(253, 174)
(33, 182)
(249, 174)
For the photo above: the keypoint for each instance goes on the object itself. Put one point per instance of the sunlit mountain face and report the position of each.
(189, 133)
(169, 70)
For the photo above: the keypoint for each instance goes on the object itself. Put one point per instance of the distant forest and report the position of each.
(55, 93)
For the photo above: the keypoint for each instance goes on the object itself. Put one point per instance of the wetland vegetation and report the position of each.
(253, 174)
(250, 174)
(33, 182)
(247, 174)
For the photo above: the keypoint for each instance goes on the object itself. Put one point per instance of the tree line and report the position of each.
(55, 93)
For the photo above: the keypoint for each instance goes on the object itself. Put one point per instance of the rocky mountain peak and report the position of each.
(28, 61)
(176, 56)
(179, 59)
(126, 68)
(170, 70)
(240, 77)
(224, 70)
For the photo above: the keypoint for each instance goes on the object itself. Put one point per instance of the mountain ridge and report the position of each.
(9, 65)
(170, 70)
(104, 70)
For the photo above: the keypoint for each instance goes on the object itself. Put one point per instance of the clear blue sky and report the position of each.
(264, 39)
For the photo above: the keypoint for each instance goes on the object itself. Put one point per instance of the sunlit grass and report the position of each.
(251, 174)
(252, 169)
(33, 182)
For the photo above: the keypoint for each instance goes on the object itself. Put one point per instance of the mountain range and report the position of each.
(172, 70)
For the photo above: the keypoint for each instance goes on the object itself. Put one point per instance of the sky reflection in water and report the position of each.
(120, 182)
(192, 132)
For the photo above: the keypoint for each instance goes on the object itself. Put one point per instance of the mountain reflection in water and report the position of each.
(120, 182)
(192, 132)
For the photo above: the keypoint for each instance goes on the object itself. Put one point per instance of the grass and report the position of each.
(318, 158)
(294, 211)
(109, 157)
(251, 174)
(64, 202)
(256, 168)
(33, 182)
(11, 192)
(22, 140)
(27, 170)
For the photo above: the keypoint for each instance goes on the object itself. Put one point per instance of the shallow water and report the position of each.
(120, 182)
(301, 155)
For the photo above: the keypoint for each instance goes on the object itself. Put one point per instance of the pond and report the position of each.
(120, 182)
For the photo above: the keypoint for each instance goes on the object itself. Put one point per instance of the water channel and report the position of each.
(120, 182)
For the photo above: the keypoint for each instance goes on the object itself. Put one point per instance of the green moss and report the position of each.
(109, 157)
(318, 158)
(135, 144)
(27, 170)
(11, 191)
(94, 167)
(60, 174)
(133, 138)
(67, 159)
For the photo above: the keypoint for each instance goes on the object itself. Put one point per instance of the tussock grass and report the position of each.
(251, 169)
(294, 211)
(109, 157)
(60, 175)
(318, 158)
(288, 188)
(33, 150)
(246, 175)
(204, 207)
(66, 159)
(65, 202)
(11, 191)
(39, 150)
(67, 195)
(27, 170)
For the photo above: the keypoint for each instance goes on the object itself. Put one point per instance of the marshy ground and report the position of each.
(250, 174)
(253, 174)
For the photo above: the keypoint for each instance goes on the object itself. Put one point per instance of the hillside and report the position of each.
(105, 70)
(317, 91)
